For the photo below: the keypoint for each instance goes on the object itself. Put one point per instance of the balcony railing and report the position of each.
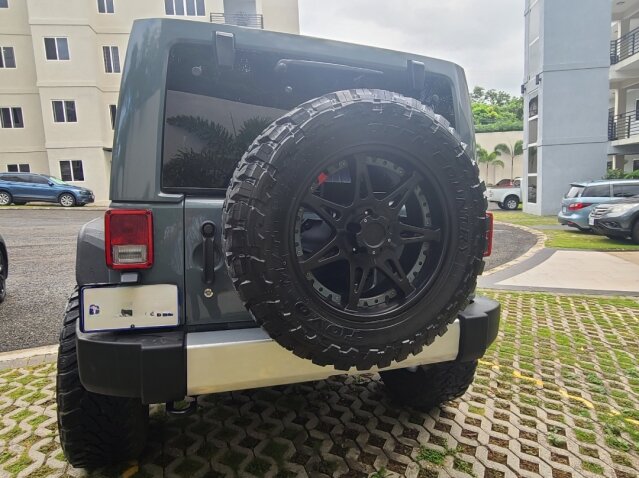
(623, 126)
(251, 20)
(624, 47)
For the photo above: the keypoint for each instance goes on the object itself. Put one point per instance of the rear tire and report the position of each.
(501, 205)
(511, 203)
(429, 385)
(66, 200)
(3, 277)
(5, 198)
(95, 430)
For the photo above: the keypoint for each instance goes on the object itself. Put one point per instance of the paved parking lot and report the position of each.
(42, 271)
(557, 396)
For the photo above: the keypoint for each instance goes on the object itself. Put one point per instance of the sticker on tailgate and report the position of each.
(129, 307)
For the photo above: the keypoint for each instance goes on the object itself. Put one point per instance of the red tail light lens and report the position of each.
(489, 234)
(129, 238)
(576, 206)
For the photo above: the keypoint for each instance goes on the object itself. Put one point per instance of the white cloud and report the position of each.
(485, 37)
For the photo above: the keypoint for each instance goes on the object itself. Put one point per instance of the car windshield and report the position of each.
(56, 180)
(575, 192)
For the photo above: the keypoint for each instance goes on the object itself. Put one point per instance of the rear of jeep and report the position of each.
(283, 209)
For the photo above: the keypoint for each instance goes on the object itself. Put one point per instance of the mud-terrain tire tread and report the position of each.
(249, 199)
(95, 430)
(430, 385)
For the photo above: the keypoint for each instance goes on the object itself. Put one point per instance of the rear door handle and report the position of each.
(208, 234)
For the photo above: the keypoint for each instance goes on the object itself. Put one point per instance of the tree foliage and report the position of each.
(495, 110)
(621, 174)
(510, 152)
(484, 157)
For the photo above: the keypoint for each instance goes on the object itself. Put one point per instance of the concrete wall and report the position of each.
(488, 141)
(572, 89)
(36, 81)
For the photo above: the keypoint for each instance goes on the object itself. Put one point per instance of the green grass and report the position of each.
(568, 238)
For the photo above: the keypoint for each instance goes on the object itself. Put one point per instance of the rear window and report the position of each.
(212, 114)
(575, 192)
(598, 191)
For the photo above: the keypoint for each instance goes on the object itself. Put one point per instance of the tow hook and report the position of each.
(182, 408)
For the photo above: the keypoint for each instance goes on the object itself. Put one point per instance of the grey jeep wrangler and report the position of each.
(282, 209)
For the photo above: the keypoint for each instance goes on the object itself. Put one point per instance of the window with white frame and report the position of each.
(71, 170)
(105, 6)
(64, 111)
(56, 48)
(191, 8)
(111, 59)
(113, 109)
(11, 117)
(18, 168)
(7, 57)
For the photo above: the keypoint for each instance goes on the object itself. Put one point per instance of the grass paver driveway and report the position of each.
(556, 396)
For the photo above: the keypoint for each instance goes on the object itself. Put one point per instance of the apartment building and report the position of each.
(60, 68)
(623, 119)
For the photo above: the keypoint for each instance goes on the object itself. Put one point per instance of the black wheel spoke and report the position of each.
(361, 176)
(414, 234)
(391, 267)
(357, 282)
(401, 193)
(329, 211)
(322, 256)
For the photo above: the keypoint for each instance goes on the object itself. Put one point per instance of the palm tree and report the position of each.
(484, 157)
(510, 151)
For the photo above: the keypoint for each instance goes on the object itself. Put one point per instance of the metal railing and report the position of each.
(624, 47)
(623, 126)
(251, 20)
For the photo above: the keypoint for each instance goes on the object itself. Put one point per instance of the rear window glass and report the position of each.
(575, 192)
(598, 191)
(212, 114)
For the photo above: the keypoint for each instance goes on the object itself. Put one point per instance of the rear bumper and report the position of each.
(167, 366)
(573, 220)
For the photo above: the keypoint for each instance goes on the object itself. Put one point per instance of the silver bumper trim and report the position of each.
(229, 360)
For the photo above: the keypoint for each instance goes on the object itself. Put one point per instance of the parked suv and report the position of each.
(283, 209)
(21, 188)
(618, 219)
(582, 197)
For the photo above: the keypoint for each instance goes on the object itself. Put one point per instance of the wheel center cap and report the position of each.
(373, 233)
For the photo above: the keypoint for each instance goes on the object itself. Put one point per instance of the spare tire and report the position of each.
(355, 228)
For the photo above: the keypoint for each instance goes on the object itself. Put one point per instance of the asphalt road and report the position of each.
(41, 247)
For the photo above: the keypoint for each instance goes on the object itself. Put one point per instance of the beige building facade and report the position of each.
(488, 141)
(60, 69)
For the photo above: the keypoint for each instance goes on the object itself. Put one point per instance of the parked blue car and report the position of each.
(21, 188)
(582, 197)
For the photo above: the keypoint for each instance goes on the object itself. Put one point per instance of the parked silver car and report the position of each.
(582, 197)
(617, 219)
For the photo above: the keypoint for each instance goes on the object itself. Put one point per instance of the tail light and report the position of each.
(129, 238)
(576, 206)
(489, 234)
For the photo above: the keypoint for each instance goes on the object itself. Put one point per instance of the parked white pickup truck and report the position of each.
(506, 193)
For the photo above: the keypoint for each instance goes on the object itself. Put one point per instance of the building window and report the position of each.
(64, 111)
(4, 3)
(71, 171)
(191, 8)
(7, 58)
(56, 48)
(111, 59)
(18, 168)
(113, 109)
(11, 117)
(105, 6)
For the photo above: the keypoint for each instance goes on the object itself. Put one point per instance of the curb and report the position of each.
(541, 240)
(28, 357)
(52, 208)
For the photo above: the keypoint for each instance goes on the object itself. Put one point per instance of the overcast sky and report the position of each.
(486, 37)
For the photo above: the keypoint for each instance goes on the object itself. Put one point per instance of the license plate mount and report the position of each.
(108, 308)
